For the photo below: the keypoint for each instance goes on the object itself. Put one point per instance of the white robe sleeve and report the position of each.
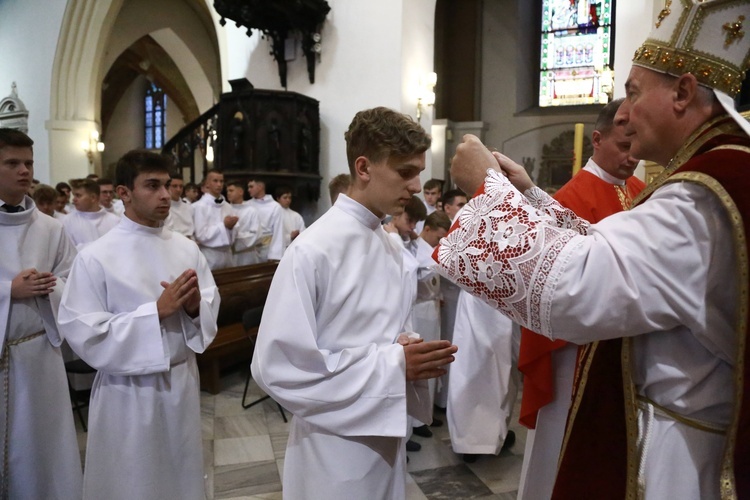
(200, 331)
(49, 305)
(4, 311)
(636, 272)
(651, 265)
(209, 225)
(246, 231)
(276, 248)
(352, 391)
(128, 343)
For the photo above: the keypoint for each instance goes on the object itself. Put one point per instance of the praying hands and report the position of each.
(182, 292)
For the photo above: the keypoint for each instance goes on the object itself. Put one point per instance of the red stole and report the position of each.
(593, 199)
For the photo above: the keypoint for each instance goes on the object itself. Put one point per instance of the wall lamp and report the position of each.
(426, 93)
(92, 145)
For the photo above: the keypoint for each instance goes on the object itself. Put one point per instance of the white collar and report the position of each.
(598, 171)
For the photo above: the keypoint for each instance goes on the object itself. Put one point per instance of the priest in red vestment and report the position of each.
(604, 186)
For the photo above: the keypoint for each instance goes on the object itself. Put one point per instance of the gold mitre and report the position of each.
(703, 37)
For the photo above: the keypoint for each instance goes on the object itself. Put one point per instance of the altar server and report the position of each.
(140, 303)
(40, 457)
(331, 346)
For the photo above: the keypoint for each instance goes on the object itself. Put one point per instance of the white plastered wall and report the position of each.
(372, 54)
(26, 58)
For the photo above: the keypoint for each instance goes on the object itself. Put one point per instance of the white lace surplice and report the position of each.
(500, 250)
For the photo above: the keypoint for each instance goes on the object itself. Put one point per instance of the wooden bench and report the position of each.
(241, 288)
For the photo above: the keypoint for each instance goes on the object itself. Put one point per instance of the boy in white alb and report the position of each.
(245, 248)
(40, 457)
(107, 198)
(293, 222)
(180, 218)
(214, 221)
(140, 323)
(331, 347)
(89, 221)
(271, 241)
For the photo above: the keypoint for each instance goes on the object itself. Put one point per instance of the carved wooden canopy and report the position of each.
(278, 20)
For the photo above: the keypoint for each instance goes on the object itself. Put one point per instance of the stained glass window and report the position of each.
(576, 52)
(155, 117)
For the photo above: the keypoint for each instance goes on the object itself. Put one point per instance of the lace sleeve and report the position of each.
(565, 217)
(502, 250)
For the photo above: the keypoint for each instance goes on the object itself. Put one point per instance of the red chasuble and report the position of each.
(593, 199)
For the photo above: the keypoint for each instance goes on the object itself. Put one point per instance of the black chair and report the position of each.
(251, 321)
(80, 398)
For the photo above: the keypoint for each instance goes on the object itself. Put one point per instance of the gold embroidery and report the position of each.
(734, 31)
(622, 194)
(664, 12)
(727, 484)
(632, 490)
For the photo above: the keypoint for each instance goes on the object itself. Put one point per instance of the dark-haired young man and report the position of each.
(271, 241)
(40, 457)
(331, 346)
(245, 247)
(140, 302)
(453, 201)
(291, 220)
(431, 192)
(107, 197)
(180, 218)
(214, 222)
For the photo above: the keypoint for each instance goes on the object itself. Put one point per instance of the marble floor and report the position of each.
(243, 451)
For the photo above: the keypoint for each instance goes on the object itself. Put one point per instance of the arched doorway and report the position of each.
(100, 37)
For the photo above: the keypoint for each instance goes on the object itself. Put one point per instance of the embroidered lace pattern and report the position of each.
(565, 218)
(504, 247)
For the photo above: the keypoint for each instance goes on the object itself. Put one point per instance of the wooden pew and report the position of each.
(241, 288)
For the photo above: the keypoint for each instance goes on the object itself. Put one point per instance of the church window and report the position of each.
(155, 117)
(576, 52)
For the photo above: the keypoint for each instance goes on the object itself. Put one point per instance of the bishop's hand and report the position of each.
(515, 173)
(470, 163)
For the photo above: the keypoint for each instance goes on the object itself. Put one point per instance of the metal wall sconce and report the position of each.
(426, 93)
(92, 145)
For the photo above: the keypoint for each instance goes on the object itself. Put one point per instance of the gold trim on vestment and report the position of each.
(632, 489)
(701, 425)
(692, 145)
(727, 484)
(584, 375)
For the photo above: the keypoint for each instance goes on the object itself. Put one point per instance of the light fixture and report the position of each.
(426, 93)
(210, 140)
(92, 145)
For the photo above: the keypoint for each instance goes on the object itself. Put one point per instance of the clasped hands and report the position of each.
(181, 293)
(472, 159)
(31, 283)
(426, 359)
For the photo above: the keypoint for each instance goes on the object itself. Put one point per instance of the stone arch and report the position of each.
(78, 70)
